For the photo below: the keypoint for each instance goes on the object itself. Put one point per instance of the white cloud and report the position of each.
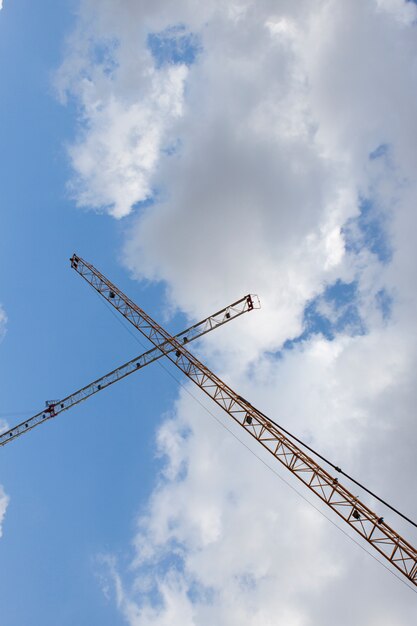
(273, 128)
(4, 498)
(3, 322)
(117, 152)
(4, 502)
(224, 541)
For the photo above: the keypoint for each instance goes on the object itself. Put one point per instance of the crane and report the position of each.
(368, 524)
(53, 408)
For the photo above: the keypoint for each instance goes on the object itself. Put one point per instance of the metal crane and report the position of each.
(368, 524)
(53, 408)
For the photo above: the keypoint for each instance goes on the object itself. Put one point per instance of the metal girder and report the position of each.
(371, 526)
(55, 407)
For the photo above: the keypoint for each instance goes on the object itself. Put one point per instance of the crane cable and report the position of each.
(287, 432)
(281, 478)
(335, 467)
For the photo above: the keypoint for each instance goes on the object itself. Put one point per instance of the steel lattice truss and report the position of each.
(231, 312)
(371, 526)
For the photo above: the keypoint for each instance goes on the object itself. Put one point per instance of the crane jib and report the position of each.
(370, 525)
(53, 408)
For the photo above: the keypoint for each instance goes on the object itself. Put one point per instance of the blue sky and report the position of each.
(216, 172)
(59, 337)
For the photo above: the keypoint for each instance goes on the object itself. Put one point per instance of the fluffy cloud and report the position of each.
(4, 502)
(224, 541)
(282, 160)
(4, 499)
(3, 322)
(124, 136)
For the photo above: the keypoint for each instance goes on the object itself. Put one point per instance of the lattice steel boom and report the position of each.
(231, 312)
(399, 552)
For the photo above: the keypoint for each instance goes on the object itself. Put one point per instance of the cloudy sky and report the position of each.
(196, 152)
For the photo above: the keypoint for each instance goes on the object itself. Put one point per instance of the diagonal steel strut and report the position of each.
(371, 526)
